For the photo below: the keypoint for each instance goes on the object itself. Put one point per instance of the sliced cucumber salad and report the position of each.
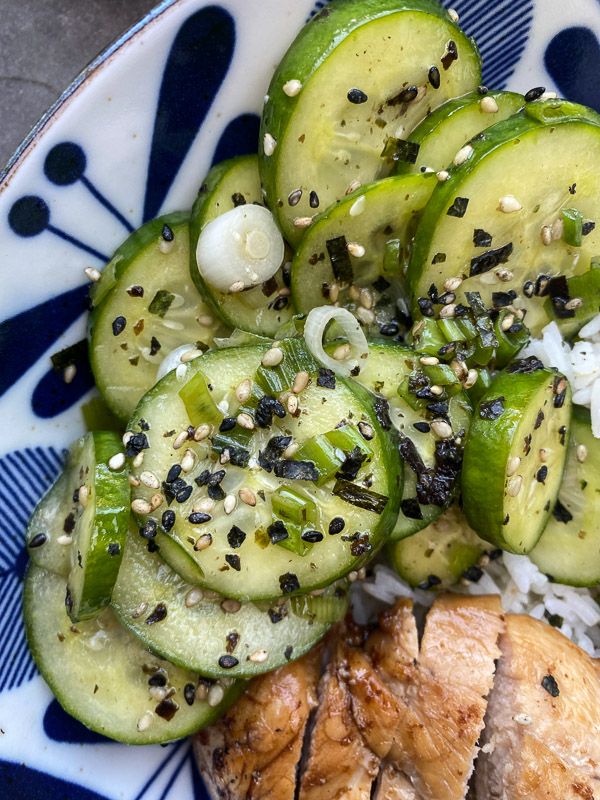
(328, 360)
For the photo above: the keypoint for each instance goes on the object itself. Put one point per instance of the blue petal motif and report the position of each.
(20, 782)
(573, 60)
(197, 64)
(239, 138)
(62, 727)
(52, 395)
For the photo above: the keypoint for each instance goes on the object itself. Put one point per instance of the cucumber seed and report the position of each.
(514, 485)
(513, 466)
(509, 204)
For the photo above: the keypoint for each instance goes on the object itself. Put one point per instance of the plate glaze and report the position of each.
(132, 137)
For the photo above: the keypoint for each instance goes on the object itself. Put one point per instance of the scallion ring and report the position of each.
(314, 331)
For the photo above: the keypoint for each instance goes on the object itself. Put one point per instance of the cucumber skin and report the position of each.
(321, 35)
(493, 138)
(479, 471)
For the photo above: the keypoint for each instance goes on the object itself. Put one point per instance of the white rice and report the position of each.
(520, 584)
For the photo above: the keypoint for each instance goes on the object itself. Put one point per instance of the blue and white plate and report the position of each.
(131, 138)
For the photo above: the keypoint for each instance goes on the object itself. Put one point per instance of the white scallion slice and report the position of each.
(172, 360)
(314, 331)
(243, 245)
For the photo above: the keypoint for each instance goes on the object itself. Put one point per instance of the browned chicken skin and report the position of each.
(254, 750)
(541, 746)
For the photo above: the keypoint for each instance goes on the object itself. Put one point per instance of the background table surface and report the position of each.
(43, 45)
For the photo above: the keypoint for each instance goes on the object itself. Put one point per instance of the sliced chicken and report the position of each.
(254, 750)
(341, 765)
(392, 784)
(542, 736)
(443, 695)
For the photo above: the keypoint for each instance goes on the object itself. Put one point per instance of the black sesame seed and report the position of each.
(528, 288)
(336, 525)
(473, 573)
(434, 77)
(183, 494)
(534, 94)
(314, 200)
(201, 480)
(281, 303)
(312, 536)
(155, 346)
(118, 325)
(422, 427)
(238, 199)
(168, 520)
(158, 678)
(167, 233)
(550, 685)
(288, 582)
(357, 97)
(152, 546)
(228, 424)
(38, 540)
(114, 548)
(189, 693)
(294, 197)
(174, 473)
(234, 561)
(228, 662)
(390, 329)
(573, 189)
(135, 291)
(159, 613)
(408, 95)
(198, 517)
(69, 523)
(451, 55)
(542, 474)
(288, 652)
(482, 90)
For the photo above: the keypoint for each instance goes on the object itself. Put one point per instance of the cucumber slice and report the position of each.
(145, 306)
(98, 526)
(529, 167)
(199, 634)
(441, 135)
(101, 674)
(259, 568)
(48, 543)
(388, 368)
(440, 555)
(515, 455)
(261, 310)
(569, 549)
(362, 243)
(362, 75)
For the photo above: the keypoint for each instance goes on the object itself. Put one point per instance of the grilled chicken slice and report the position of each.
(543, 721)
(341, 765)
(443, 695)
(254, 750)
(392, 784)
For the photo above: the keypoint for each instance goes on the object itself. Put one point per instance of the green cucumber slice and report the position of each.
(387, 368)
(100, 672)
(351, 69)
(199, 634)
(261, 310)
(438, 556)
(515, 455)
(569, 549)
(48, 543)
(521, 162)
(98, 526)
(441, 135)
(378, 222)
(146, 305)
(259, 568)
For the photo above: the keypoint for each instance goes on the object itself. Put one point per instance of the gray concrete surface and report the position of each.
(43, 45)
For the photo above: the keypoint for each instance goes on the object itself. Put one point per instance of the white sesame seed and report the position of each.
(284, 292)
(512, 466)
(522, 719)
(201, 692)
(460, 369)
(243, 391)
(352, 187)
(231, 606)
(453, 15)
(442, 175)
(352, 576)
(272, 357)
(509, 204)
(452, 284)
(514, 485)
(437, 390)
(193, 597)
(358, 206)
(448, 311)
(181, 372)
(441, 428)
(504, 275)
(342, 352)
(236, 287)
(365, 315)
(429, 361)
(247, 496)
(355, 249)
(334, 292)
(145, 722)
(149, 479)
(140, 506)
(205, 504)
(543, 454)
(157, 693)
(201, 432)
(69, 373)
(488, 105)
(463, 154)
(189, 355)
(258, 656)
(548, 96)
(269, 144)
(354, 293)
(127, 436)
(205, 320)
(366, 430)
(64, 540)
(83, 495)
(141, 609)
(300, 382)
(92, 274)
(216, 693)
(573, 304)
(180, 440)
(138, 460)
(292, 404)
(203, 542)
(561, 386)
(302, 222)
(366, 298)
(507, 322)
(245, 421)
(188, 461)
(582, 453)
(117, 461)
(558, 227)
(225, 456)
(471, 379)
(156, 501)
(133, 481)
(546, 235)
(291, 450)
(292, 87)
(362, 573)
(229, 504)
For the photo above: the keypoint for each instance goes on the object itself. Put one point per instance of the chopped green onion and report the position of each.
(427, 337)
(323, 455)
(320, 609)
(440, 374)
(200, 406)
(452, 330)
(573, 224)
